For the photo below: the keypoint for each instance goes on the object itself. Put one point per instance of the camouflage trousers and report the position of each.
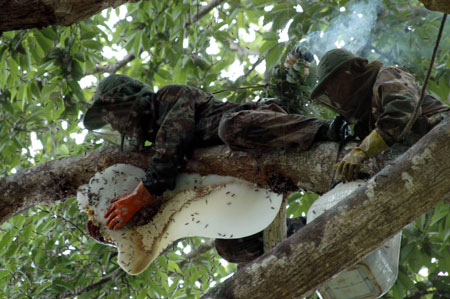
(268, 127)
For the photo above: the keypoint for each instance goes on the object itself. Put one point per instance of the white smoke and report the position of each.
(350, 30)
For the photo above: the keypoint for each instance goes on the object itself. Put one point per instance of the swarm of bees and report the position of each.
(207, 206)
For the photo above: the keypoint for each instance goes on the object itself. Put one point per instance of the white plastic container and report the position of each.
(373, 276)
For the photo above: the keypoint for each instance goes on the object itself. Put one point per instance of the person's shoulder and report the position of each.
(172, 87)
(394, 73)
(177, 88)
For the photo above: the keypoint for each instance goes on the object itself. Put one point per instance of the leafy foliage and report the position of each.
(46, 81)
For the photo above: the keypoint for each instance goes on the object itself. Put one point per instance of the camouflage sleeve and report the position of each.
(395, 97)
(174, 139)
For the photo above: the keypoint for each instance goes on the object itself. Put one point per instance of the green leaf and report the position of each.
(4, 274)
(75, 88)
(273, 56)
(45, 44)
(19, 220)
(137, 44)
(63, 150)
(49, 33)
(5, 240)
(441, 214)
(48, 88)
(92, 44)
(266, 46)
(173, 267)
(407, 250)
(21, 95)
(35, 89)
(142, 294)
(179, 74)
(270, 36)
(77, 70)
(88, 35)
(27, 231)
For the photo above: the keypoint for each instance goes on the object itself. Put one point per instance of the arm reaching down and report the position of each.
(124, 207)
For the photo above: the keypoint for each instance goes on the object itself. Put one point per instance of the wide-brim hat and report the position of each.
(93, 119)
(115, 90)
(330, 63)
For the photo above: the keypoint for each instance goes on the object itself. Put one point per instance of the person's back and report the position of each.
(378, 100)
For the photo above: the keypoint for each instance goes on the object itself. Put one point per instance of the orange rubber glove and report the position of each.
(124, 207)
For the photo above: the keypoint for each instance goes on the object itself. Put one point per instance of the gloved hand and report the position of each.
(350, 165)
(337, 130)
(124, 207)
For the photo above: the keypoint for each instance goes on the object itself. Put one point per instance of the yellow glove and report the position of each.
(350, 165)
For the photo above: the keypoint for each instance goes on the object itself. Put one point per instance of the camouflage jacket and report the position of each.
(185, 117)
(395, 95)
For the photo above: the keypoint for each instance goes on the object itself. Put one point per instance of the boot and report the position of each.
(246, 249)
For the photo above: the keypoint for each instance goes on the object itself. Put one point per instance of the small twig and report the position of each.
(196, 252)
(92, 286)
(241, 51)
(258, 62)
(427, 78)
(112, 68)
(203, 11)
(66, 220)
(422, 294)
(240, 88)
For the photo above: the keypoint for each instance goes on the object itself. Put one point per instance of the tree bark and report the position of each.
(16, 15)
(345, 234)
(336, 240)
(59, 179)
(437, 5)
(276, 232)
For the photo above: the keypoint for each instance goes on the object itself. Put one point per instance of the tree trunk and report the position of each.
(334, 241)
(437, 5)
(16, 15)
(276, 232)
(345, 234)
(59, 179)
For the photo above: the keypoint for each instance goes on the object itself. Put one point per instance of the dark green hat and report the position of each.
(118, 91)
(328, 65)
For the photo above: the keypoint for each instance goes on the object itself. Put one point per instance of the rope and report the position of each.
(427, 78)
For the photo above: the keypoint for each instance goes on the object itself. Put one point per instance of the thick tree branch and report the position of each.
(56, 180)
(348, 232)
(59, 179)
(16, 15)
(389, 201)
(437, 5)
(276, 232)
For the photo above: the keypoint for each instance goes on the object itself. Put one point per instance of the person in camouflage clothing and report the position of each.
(379, 100)
(178, 118)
